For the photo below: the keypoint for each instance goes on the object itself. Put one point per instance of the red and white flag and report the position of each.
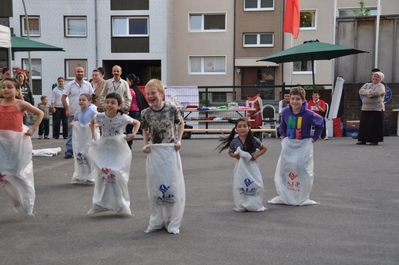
(292, 18)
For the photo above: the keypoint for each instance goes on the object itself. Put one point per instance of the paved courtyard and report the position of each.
(356, 221)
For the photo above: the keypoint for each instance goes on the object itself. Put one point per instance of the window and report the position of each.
(207, 22)
(356, 12)
(34, 26)
(302, 66)
(219, 97)
(256, 5)
(130, 26)
(70, 66)
(36, 67)
(75, 26)
(308, 20)
(258, 40)
(207, 65)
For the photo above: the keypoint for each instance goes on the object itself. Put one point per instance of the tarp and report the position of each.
(24, 45)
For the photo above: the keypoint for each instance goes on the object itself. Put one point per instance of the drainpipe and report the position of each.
(29, 58)
(377, 33)
(333, 42)
(282, 48)
(234, 45)
(95, 32)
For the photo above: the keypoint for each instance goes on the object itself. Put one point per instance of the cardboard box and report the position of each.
(352, 124)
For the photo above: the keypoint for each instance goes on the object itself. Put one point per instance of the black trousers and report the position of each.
(44, 127)
(59, 117)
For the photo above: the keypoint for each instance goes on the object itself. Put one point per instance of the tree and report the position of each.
(363, 11)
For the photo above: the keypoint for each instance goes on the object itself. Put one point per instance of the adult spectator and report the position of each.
(318, 106)
(59, 115)
(371, 127)
(26, 92)
(72, 91)
(117, 85)
(284, 102)
(138, 103)
(98, 84)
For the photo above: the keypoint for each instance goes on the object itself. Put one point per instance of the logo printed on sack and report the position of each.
(292, 176)
(293, 185)
(166, 198)
(108, 178)
(2, 180)
(82, 160)
(248, 191)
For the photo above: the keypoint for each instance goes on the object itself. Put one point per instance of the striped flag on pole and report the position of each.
(292, 17)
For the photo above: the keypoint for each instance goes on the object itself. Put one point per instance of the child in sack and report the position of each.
(163, 127)
(111, 157)
(294, 171)
(16, 168)
(81, 138)
(246, 149)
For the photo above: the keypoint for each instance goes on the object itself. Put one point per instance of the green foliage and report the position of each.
(363, 11)
(156, 72)
(203, 102)
(317, 87)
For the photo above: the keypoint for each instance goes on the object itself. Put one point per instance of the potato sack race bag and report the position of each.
(16, 169)
(294, 173)
(111, 159)
(248, 188)
(81, 140)
(166, 190)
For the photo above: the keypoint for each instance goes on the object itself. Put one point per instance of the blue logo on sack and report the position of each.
(81, 159)
(248, 182)
(167, 198)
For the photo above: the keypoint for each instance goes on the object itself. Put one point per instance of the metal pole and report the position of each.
(377, 33)
(29, 59)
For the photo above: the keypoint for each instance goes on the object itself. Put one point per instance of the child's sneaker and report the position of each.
(40, 137)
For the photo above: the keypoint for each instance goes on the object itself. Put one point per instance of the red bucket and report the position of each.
(337, 127)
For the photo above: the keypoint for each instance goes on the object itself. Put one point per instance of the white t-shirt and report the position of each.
(73, 91)
(112, 126)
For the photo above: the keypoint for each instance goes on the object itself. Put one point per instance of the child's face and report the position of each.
(20, 78)
(242, 128)
(296, 102)
(287, 98)
(111, 105)
(153, 96)
(44, 100)
(315, 96)
(83, 102)
(8, 90)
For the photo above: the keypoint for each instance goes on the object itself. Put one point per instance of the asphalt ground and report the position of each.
(356, 221)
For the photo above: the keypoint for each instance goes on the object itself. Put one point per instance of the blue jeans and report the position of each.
(68, 144)
(129, 128)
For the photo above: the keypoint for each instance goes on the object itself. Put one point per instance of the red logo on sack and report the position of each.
(105, 170)
(292, 176)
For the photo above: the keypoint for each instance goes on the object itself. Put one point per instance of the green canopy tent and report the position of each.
(24, 45)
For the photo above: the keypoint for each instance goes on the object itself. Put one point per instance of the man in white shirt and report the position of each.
(59, 116)
(117, 85)
(72, 91)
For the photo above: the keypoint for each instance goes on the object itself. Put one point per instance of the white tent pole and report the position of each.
(377, 33)
(333, 42)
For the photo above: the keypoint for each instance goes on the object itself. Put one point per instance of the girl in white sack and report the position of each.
(246, 149)
(111, 157)
(16, 170)
(163, 127)
(81, 138)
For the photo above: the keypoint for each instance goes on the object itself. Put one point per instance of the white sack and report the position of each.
(46, 151)
(166, 190)
(16, 168)
(111, 159)
(294, 173)
(248, 188)
(81, 140)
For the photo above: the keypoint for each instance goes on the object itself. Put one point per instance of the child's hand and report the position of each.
(70, 125)
(130, 137)
(254, 157)
(29, 132)
(237, 156)
(178, 146)
(146, 149)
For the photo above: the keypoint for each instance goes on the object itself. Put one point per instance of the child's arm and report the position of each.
(180, 131)
(261, 151)
(145, 141)
(25, 106)
(136, 127)
(92, 128)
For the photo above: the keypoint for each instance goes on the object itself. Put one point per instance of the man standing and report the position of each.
(284, 102)
(57, 107)
(72, 91)
(98, 85)
(117, 85)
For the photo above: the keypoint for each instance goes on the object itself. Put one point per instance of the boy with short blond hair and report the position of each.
(44, 126)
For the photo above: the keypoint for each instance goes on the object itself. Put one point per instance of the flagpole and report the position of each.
(377, 33)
